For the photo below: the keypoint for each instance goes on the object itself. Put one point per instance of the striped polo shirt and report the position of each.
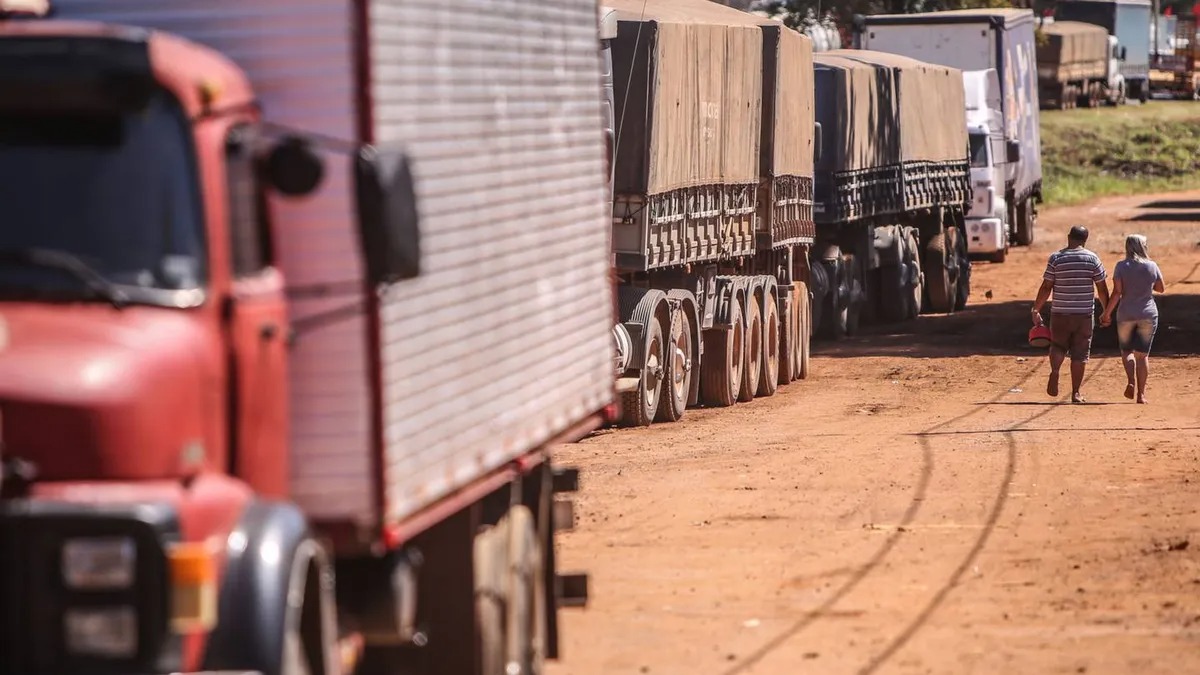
(1074, 272)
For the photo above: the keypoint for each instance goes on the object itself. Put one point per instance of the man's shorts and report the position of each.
(1137, 336)
(1072, 333)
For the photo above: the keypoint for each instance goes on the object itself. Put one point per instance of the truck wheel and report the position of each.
(510, 595)
(1026, 218)
(721, 367)
(641, 405)
(1144, 92)
(768, 378)
(752, 358)
(915, 278)
(789, 334)
(937, 275)
(962, 281)
(276, 602)
(834, 314)
(677, 386)
(893, 292)
(999, 256)
(311, 630)
(805, 324)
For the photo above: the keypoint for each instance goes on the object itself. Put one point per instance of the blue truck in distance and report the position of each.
(1129, 22)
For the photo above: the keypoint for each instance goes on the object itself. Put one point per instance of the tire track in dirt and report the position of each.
(985, 534)
(918, 499)
(885, 549)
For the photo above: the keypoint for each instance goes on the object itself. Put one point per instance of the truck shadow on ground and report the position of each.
(1001, 329)
(1192, 204)
(1169, 211)
(1166, 217)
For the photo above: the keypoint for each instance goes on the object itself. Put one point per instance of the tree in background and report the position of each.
(800, 13)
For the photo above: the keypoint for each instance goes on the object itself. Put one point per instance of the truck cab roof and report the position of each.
(194, 73)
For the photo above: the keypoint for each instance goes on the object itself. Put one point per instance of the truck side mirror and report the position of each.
(293, 167)
(818, 142)
(1014, 151)
(388, 223)
(1124, 52)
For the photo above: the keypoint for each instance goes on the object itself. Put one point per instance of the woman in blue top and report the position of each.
(1135, 279)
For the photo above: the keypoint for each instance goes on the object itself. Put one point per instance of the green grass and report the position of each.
(1120, 151)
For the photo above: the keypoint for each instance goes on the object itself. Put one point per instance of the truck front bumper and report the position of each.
(985, 235)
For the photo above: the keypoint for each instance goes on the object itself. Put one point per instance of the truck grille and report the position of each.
(34, 598)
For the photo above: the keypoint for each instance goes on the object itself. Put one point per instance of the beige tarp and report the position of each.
(1072, 50)
(687, 32)
(855, 110)
(683, 11)
(794, 115)
(926, 97)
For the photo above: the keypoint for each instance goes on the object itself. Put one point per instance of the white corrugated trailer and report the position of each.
(414, 405)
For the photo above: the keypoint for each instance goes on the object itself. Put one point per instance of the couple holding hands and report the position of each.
(1075, 276)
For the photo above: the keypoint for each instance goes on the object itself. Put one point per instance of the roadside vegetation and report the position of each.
(1118, 151)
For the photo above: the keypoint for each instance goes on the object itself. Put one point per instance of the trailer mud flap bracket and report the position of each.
(565, 479)
(571, 590)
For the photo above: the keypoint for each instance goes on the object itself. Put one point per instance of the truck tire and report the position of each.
(638, 407)
(277, 606)
(915, 279)
(753, 354)
(768, 378)
(789, 334)
(938, 285)
(835, 315)
(721, 367)
(805, 320)
(1026, 219)
(510, 595)
(677, 384)
(893, 292)
(962, 281)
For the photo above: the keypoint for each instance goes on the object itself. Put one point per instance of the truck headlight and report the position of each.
(96, 563)
(106, 632)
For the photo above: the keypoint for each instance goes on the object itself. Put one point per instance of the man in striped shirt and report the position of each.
(1071, 274)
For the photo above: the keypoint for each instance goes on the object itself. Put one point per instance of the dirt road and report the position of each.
(918, 505)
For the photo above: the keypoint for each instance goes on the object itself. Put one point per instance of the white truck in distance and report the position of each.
(981, 39)
(988, 230)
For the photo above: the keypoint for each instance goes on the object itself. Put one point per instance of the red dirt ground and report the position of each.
(918, 505)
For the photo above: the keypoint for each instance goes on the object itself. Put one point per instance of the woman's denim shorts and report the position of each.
(1136, 336)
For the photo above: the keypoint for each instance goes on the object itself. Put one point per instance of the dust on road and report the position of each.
(919, 504)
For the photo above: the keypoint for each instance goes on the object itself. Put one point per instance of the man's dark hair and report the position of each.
(1078, 233)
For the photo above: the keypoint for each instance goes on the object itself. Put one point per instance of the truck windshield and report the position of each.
(116, 192)
(979, 151)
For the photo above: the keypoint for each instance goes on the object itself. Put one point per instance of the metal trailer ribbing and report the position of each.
(423, 411)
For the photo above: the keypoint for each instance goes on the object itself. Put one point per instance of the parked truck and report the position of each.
(1128, 21)
(1175, 69)
(295, 299)
(892, 187)
(712, 204)
(1079, 64)
(985, 232)
(979, 39)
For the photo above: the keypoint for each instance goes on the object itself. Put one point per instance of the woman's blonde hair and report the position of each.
(1136, 247)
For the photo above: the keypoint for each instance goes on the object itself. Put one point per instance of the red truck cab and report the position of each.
(143, 338)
